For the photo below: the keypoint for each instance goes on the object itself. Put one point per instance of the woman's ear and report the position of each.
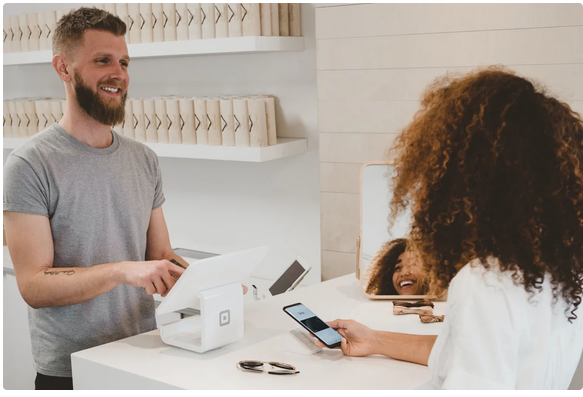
(62, 67)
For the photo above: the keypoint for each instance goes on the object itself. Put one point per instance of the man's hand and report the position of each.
(358, 340)
(156, 277)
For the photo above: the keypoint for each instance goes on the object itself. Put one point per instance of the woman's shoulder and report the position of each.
(483, 279)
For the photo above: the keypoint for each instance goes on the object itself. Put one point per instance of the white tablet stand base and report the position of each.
(220, 321)
(298, 341)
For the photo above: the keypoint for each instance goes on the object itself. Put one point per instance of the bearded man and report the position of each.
(83, 208)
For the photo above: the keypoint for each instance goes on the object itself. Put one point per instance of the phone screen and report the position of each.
(287, 279)
(329, 336)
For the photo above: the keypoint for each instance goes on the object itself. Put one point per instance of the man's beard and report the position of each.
(95, 108)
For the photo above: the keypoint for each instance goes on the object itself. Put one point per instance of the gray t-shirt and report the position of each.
(99, 203)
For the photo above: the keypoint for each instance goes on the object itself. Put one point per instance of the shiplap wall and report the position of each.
(374, 62)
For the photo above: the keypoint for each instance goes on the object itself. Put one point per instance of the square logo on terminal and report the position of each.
(224, 318)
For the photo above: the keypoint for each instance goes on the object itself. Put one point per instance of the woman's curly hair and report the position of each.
(493, 166)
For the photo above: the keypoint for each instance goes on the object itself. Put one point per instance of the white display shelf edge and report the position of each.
(285, 147)
(229, 45)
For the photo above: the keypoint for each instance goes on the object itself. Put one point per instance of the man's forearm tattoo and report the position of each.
(55, 272)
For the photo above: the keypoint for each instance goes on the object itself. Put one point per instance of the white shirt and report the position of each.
(493, 338)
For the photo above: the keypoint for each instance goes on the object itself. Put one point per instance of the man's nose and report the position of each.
(118, 73)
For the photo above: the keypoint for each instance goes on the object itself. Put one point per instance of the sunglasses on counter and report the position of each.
(260, 366)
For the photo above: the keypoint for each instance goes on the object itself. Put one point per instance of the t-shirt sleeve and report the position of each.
(23, 189)
(159, 198)
(483, 342)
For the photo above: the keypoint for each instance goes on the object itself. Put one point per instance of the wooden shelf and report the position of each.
(286, 147)
(229, 45)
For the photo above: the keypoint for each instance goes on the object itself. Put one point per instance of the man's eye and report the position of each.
(102, 60)
(124, 64)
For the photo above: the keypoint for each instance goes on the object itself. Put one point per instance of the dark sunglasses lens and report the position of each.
(251, 364)
(281, 365)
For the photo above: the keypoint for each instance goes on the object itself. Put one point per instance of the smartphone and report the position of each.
(325, 334)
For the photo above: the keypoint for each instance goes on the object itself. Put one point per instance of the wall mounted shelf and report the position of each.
(286, 147)
(229, 45)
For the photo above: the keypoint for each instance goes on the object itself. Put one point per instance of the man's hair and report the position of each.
(71, 27)
(492, 166)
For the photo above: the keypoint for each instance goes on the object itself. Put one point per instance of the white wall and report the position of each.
(222, 206)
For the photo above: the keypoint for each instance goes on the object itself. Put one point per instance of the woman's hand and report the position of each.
(357, 340)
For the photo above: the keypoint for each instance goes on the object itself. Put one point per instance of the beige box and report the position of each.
(284, 19)
(161, 120)
(265, 11)
(22, 119)
(23, 32)
(241, 120)
(234, 19)
(39, 114)
(15, 33)
(45, 118)
(147, 23)
(158, 22)
(257, 123)
(194, 18)
(150, 121)
(295, 19)
(251, 19)
(122, 12)
(48, 23)
(34, 32)
(129, 120)
(138, 118)
(110, 7)
(271, 122)
(213, 111)
(187, 126)
(169, 21)
(7, 47)
(207, 21)
(201, 121)
(56, 110)
(274, 19)
(173, 112)
(7, 124)
(181, 21)
(134, 21)
(221, 20)
(14, 118)
(227, 122)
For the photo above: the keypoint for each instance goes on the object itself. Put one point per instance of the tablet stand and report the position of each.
(220, 321)
(298, 341)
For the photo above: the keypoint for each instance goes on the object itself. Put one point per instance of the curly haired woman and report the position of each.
(492, 167)
(396, 270)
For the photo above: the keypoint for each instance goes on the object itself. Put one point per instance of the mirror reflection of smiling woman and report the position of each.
(494, 167)
(396, 270)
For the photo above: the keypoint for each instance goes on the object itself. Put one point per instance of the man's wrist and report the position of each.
(119, 272)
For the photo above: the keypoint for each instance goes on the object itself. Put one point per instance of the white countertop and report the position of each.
(145, 362)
